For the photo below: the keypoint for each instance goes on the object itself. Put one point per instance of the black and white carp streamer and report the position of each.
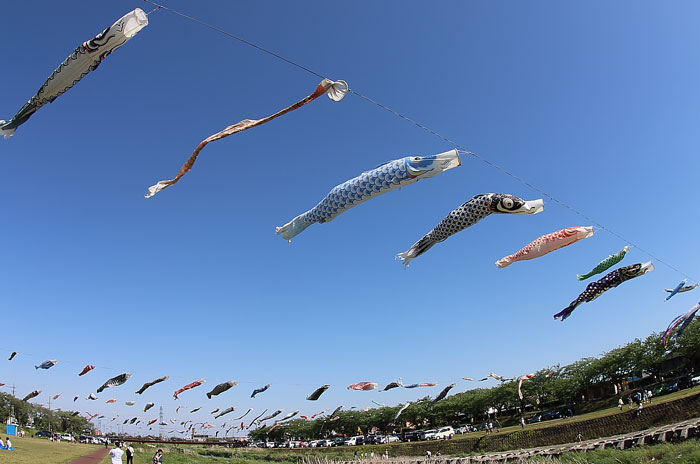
(443, 393)
(115, 381)
(222, 387)
(259, 390)
(87, 57)
(317, 393)
(151, 383)
(469, 214)
(31, 395)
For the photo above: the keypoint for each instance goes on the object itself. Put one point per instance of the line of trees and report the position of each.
(42, 418)
(553, 386)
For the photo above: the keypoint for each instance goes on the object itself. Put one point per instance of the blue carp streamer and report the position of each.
(389, 176)
(680, 322)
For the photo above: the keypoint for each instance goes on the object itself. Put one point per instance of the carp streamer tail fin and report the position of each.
(566, 312)
(6, 132)
(418, 248)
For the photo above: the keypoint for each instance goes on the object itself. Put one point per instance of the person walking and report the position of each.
(129, 454)
(620, 403)
(116, 454)
(158, 457)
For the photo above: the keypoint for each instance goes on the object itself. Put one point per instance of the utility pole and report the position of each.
(160, 423)
(50, 415)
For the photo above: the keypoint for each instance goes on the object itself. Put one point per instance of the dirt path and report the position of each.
(92, 458)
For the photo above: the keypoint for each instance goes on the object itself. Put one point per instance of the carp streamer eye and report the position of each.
(416, 159)
(508, 203)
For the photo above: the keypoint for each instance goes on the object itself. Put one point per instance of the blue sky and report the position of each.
(596, 104)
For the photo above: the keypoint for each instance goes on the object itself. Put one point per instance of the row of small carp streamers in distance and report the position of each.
(674, 330)
(221, 388)
(389, 176)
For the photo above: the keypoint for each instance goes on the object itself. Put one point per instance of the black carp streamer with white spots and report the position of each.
(469, 214)
(611, 280)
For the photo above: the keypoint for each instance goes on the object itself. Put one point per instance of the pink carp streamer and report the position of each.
(546, 244)
(520, 383)
(335, 90)
(363, 386)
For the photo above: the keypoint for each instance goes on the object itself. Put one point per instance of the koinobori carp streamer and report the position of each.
(259, 390)
(222, 387)
(605, 264)
(317, 393)
(189, 386)
(86, 369)
(467, 215)
(335, 91)
(115, 381)
(385, 178)
(443, 393)
(611, 280)
(84, 59)
(681, 322)
(31, 395)
(151, 383)
(546, 244)
(363, 386)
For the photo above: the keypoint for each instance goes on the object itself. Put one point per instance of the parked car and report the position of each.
(352, 441)
(43, 433)
(391, 439)
(428, 434)
(444, 433)
(338, 441)
(313, 444)
(673, 387)
(411, 435)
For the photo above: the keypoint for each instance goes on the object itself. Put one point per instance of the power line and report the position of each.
(430, 131)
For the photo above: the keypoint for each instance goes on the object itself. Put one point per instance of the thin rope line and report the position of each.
(240, 39)
(433, 132)
(463, 150)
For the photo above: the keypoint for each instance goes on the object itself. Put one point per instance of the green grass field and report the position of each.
(38, 450)
(30, 450)
(687, 452)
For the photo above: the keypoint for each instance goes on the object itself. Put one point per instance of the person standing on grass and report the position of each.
(129, 455)
(158, 457)
(116, 454)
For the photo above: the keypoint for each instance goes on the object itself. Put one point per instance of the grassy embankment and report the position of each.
(29, 450)
(39, 450)
(687, 452)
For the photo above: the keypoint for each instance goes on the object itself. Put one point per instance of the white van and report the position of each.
(352, 441)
